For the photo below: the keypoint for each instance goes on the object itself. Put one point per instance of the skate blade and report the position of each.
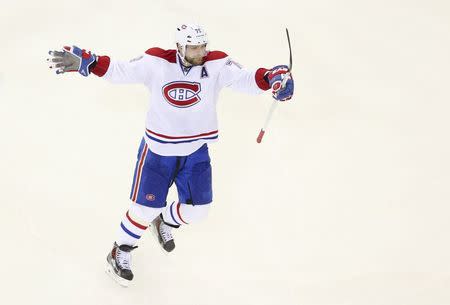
(122, 282)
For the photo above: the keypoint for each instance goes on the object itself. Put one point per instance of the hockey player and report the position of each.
(181, 121)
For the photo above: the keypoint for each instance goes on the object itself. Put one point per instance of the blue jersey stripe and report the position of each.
(178, 142)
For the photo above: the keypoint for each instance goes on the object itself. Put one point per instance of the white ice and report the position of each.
(346, 201)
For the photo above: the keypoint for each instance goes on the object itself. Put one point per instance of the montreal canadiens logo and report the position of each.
(182, 94)
(150, 197)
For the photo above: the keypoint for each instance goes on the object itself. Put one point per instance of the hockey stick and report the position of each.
(275, 102)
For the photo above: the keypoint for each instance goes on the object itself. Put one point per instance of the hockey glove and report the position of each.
(281, 82)
(72, 59)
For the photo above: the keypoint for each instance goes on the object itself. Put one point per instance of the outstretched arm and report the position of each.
(74, 59)
(234, 76)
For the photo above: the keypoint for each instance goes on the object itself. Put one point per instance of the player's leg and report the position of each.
(133, 224)
(194, 185)
(148, 199)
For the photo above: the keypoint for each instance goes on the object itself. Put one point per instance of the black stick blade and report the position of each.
(290, 49)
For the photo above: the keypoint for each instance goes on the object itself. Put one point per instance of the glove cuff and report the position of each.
(261, 79)
(100, 67)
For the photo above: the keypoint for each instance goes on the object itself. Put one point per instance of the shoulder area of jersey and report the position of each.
(171, 54)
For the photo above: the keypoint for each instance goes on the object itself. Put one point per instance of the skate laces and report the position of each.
(166, 232)
(123, 259)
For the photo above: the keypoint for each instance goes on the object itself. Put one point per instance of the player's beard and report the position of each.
(195, 61)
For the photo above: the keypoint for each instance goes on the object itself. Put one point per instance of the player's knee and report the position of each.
(194, 213)
(144, 213)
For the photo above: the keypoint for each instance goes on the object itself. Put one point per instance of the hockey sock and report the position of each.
(135, 222)
(177, 214)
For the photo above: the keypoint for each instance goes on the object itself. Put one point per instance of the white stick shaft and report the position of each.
(275, 103)
(269, 115)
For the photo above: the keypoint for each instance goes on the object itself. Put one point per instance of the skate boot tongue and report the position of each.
(123, 256)
(165, 231)
(165, 237)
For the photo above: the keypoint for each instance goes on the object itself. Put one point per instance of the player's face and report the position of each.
(195, 54)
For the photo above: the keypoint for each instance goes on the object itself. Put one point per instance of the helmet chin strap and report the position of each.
(182, 54)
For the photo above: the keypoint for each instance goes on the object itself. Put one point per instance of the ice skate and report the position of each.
(118, 264)
(164, 233)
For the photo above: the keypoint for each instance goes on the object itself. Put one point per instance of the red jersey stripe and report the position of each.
(139, 173)
(182, 137)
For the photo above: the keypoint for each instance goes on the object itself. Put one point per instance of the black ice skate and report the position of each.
(119, 264)
(164, 233)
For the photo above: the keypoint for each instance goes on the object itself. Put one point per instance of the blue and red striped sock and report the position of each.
(136, 221)
(177, 214)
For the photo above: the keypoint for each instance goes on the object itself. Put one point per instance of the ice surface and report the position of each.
(346, 201)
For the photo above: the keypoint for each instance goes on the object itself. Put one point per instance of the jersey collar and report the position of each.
(183, 68)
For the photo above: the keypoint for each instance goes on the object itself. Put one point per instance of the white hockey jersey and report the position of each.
(182, 110)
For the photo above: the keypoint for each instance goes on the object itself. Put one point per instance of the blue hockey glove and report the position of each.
(281, 82)
(72, 59)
